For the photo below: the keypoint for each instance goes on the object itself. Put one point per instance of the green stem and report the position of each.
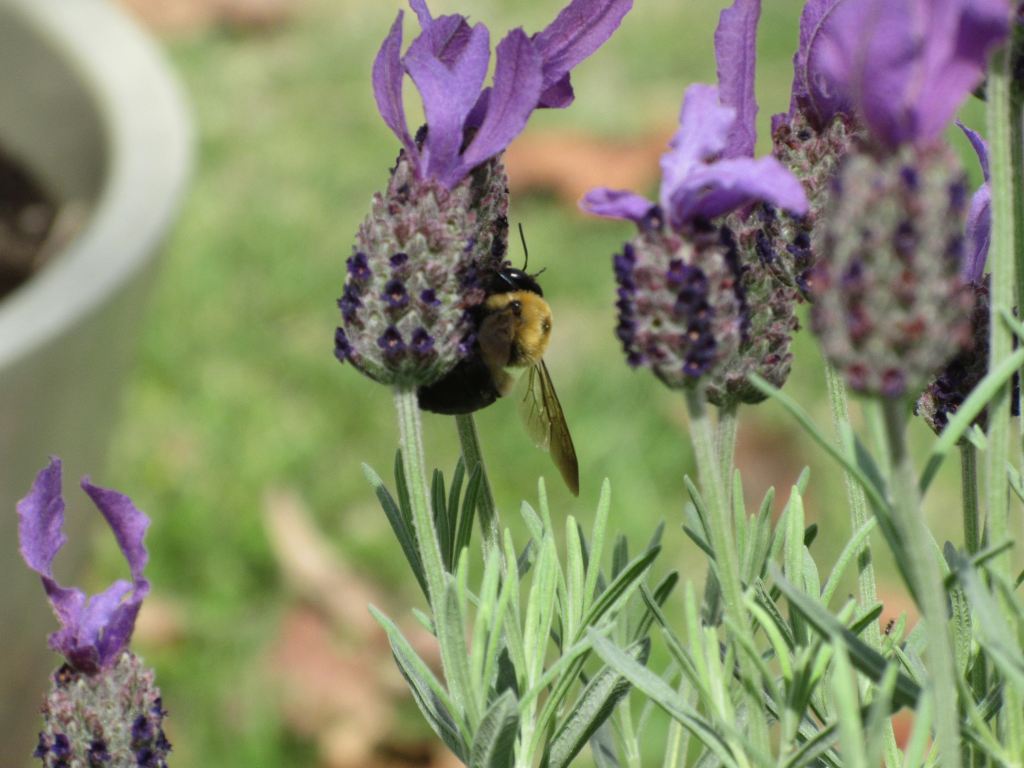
(859, 518)
(1003, 125)
(969, 489)
(411, 442)
(927, 575)
(728, 423)
(490, 528)
(723, 542)
(874, 420)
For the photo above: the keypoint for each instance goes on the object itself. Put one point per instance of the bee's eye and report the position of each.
(517, 307)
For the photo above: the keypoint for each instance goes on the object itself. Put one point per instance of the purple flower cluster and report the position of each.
(891, 298)
(104, 707)
(95, 631)
(683, 307)
(421, 256)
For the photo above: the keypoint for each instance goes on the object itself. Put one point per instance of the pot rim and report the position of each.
(149, 141)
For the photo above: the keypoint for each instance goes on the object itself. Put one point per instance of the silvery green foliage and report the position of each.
(509, 701)
(111, 717)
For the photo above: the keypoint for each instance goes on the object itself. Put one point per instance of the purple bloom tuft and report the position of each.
(359, 267)
(395, 294)
(429, 298)
(399, 259)
(342, 348)
(696, 186)
(908, 65)
(391, 342)
(422, 342)
(95, 631)
(349, 302)
(448, 62)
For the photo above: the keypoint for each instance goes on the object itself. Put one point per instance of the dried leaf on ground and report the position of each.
(570, 164)
(183, 17)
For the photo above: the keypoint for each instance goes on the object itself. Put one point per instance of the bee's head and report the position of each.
(511, 279)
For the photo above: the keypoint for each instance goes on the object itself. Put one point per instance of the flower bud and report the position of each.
(890, 306)
(112, 717)
(415, 273)
(813, 156)
(768, 319)
(679, 309)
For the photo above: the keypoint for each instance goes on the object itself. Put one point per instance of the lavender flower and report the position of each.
(891, 306)
(95, 631)
(104, 707)
(947, 392)
(441, 226)
(769, 302)
(681, 305)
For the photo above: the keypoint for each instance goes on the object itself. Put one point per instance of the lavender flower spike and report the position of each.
(93, 632)
(908, 65)
(695, 184)
(448, 63)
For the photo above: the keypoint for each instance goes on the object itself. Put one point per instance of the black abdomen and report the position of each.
(468, 387)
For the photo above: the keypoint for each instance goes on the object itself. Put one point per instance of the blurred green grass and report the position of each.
(237, 392)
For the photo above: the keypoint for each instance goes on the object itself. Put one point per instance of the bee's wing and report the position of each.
(541, 414)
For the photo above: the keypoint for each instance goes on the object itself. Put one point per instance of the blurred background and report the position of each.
(242, 436)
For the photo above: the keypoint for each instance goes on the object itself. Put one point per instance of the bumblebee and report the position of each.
(513, 326)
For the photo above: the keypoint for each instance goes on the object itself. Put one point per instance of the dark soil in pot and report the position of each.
(32, 226)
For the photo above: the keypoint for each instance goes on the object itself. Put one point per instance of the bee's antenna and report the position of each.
(526, 254)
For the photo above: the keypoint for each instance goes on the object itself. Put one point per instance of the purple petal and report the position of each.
(616, 203)
(813, 91)
(517, 84)
(704, 126)
(128, 524)
(387, 86)
(448, 96)
(909, 64)
(558, 96)
(578, 31)
(980, 147)
(476, 115)
(40, 519)
(419, 7)
(736, 54)
(979, 230)
(717, 189)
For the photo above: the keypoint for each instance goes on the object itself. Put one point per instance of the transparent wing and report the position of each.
(542, 416)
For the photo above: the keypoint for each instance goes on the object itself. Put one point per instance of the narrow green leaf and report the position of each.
(532, 520)
(812, 582)
(540, 609)
(969, 410)
(663, 695)
(576, 576)
(456, 490)
(698, 507)
(494, 741)
(600, 527)
(829, 445)
(659, 595)
(620, 555)
(464, 533)
(845, 558)
(762, 539)
(526, 558)
(430, 696)
(619, 588)
(810, 534)
(814, 747)
(402, 489)
(768, 605)
(400, 525)
(592, 708)
(443, 524)
(602, 747)
(700, 542)
(844, 691)
(424, 621)
(868, 661)
(977, 438)
(460, 681)
(739, 510)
